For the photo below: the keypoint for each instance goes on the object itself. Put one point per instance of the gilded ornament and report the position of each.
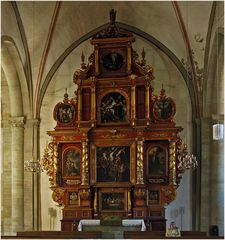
(168, 194)
(50, 162)
(57, 195)
(84, 195)
(72, 182)
(172, 166)
(139, 173)
(140, 194)
(85, 175)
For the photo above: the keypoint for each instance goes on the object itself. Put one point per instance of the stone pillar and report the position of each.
(36, 177)
(17, 125)
(217, 184)
(206, 136)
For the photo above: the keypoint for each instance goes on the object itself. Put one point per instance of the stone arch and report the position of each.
(18, 100)
(214, 83)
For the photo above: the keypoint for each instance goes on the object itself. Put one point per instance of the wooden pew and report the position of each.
(60, 234)
(161, 235)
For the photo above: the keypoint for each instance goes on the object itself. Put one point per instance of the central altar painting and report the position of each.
(115, 145)
(113, 164)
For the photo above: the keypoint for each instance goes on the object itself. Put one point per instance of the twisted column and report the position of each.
(85, 175)
(172, 166)
(140, 162)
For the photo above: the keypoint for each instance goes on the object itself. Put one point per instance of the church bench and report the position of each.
(61, 234)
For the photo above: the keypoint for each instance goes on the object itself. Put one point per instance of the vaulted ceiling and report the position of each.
(44, 33)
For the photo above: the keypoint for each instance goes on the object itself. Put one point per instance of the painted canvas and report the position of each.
(157, 157)
(71, 159)
(113, 164)
(114, 108)
(112, 201)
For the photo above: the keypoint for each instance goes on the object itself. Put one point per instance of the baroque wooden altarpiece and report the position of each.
(115, 147)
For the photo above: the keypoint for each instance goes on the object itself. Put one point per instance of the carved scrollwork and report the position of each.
(168, 194)
(50, 162)
(140, 194)
(57, 195)
(85, 194)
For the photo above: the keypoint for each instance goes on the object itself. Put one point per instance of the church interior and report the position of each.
(112, 116)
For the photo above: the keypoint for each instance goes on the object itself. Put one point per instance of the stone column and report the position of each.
(36, 177)
(217, 184)
(206, 136)
(17, 125)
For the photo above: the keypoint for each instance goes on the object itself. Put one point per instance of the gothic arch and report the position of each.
(214, 82)
(13, 69)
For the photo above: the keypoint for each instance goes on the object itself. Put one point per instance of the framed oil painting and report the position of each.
(112, 201)
(153, 197)
(113, 164)
(157, 161)
(72, 198)
(113, 109)
(64, 113)
(71, 163)
(164, 109)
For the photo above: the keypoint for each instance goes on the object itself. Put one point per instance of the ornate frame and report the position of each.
(157, 170)
(99, 103)
(62, 105)
(72, 198)
(103, 52)
(75, 150)
(156, 111)
(110, 144)
(114, 200)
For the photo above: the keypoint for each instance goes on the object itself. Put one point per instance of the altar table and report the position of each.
(125, 223)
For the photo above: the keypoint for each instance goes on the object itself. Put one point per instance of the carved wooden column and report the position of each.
(147, 100)
(93, 101)
(133, 100)
(79, 114)
(139, 171)
(85, 165)
(17, 126)
(172, 161)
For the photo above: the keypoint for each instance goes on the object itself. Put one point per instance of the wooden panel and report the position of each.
(86, 104)
(158, 225)
(140, 102)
